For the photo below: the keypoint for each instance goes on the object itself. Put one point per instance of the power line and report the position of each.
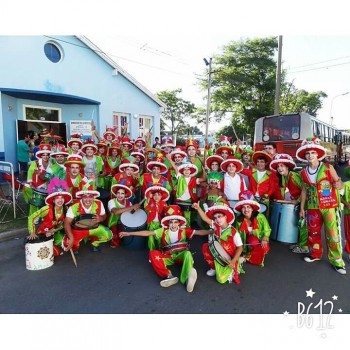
(324, 67)
(312, 64)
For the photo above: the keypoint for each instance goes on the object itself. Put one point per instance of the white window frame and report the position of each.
(119, 120)
(143, 127)
(42, 107)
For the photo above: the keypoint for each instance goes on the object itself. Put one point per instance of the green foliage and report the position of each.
(177, 111)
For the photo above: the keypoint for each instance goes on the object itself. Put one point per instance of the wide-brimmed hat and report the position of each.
(282, 158)
(57, 187)
(173, 212)
(109, 132)
(127, 142)
(74, 159)
(215, 176)
(311, 144)
(190, 142)
(44, 148)
(75, 138)
(221, 208)
(232, 160)
(158, 161)
(139, 154)
(114, 146)
(246, 198)
(167, 143)
(213, 158)
(263, 154)
(116, 187)
(247, 150)
(58, 150)
(188, 165)
(229, 149)
(177, 151)
(140, 139)
(82, 193)
(126, 163)
(154, 189)
(89, 143)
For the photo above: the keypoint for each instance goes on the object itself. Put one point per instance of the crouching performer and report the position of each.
(225, 246)
(48, 220)
(83, 220)
(173, 238)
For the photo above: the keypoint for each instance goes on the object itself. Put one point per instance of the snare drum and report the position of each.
(39, 254)
(136, 221)
(84, 222)
(175, 247)
(38, 197)
(284, 222)
(219, 253)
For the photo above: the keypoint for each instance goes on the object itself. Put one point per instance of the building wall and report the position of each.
(81, 73)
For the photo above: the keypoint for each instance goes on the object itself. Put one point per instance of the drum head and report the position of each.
(85, 222)
(221, 251)
(133, 220)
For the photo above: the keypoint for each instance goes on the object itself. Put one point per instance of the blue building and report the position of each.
(62, 83)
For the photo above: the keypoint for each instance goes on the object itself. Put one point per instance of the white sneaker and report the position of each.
(242, 259)
(169, 281)
(340, 270)
(300, 250)
(192, 278)
(310, 259)
(292, 246)
(211, 272)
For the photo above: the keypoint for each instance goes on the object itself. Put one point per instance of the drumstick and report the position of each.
(133, 210)
(217, 199)
(73, 257)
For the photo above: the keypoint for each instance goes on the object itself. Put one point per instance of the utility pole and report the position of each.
(278, 77)
(208, 64)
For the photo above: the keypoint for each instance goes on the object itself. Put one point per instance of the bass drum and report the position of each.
(84, 222)
(39, 254)
(134, 221)
(284, 222)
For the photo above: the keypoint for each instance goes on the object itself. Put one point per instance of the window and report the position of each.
(120, 123)
(53, 52)
(281, 128)
(145, 125)
(48, 114)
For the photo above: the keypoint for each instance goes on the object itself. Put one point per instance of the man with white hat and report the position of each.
(320, 198)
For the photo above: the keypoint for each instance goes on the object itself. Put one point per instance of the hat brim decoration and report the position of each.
(105, 134)
(166, 219)
(142, 141)
(236, 162)
(153, 189)
(74, 160)
(84, 147)
(111, 148)
(152, 163)
(116, 187)
(129, 144)
(213, 158)
(224, 148)
(192, 167)
(301, 151)
(54, 154)
(265, 155)
(51, 197)
(239, 205)
(128, 165)
(226, 210)
(80, 194)
(141, 155)
(290, 164)
(39, 154)
(71, 141)
(177, 152)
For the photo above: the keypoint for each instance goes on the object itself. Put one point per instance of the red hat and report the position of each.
(311, 143)
(283, 158)
(191, 142)
(126, 141)
(159, 161)
(139, 154)
(188, 165)
(57, 187)
(44, 148)
(82, 193)
(221, 208)
(224, 148)
(74, 159)
(173, 212)
(89, 143)
(179, 152)
(114, 146)
(116, 187)
(59, 149)
(232, 160)
(154, 189)
(110, 132)
(140, 139)
(126, 163)
(75, 138)
(246, 198)
(213, 158)
(263, 154)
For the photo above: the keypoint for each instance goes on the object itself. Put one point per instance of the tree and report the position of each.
(177, 111)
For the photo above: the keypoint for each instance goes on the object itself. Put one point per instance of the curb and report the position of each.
(5, 236)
